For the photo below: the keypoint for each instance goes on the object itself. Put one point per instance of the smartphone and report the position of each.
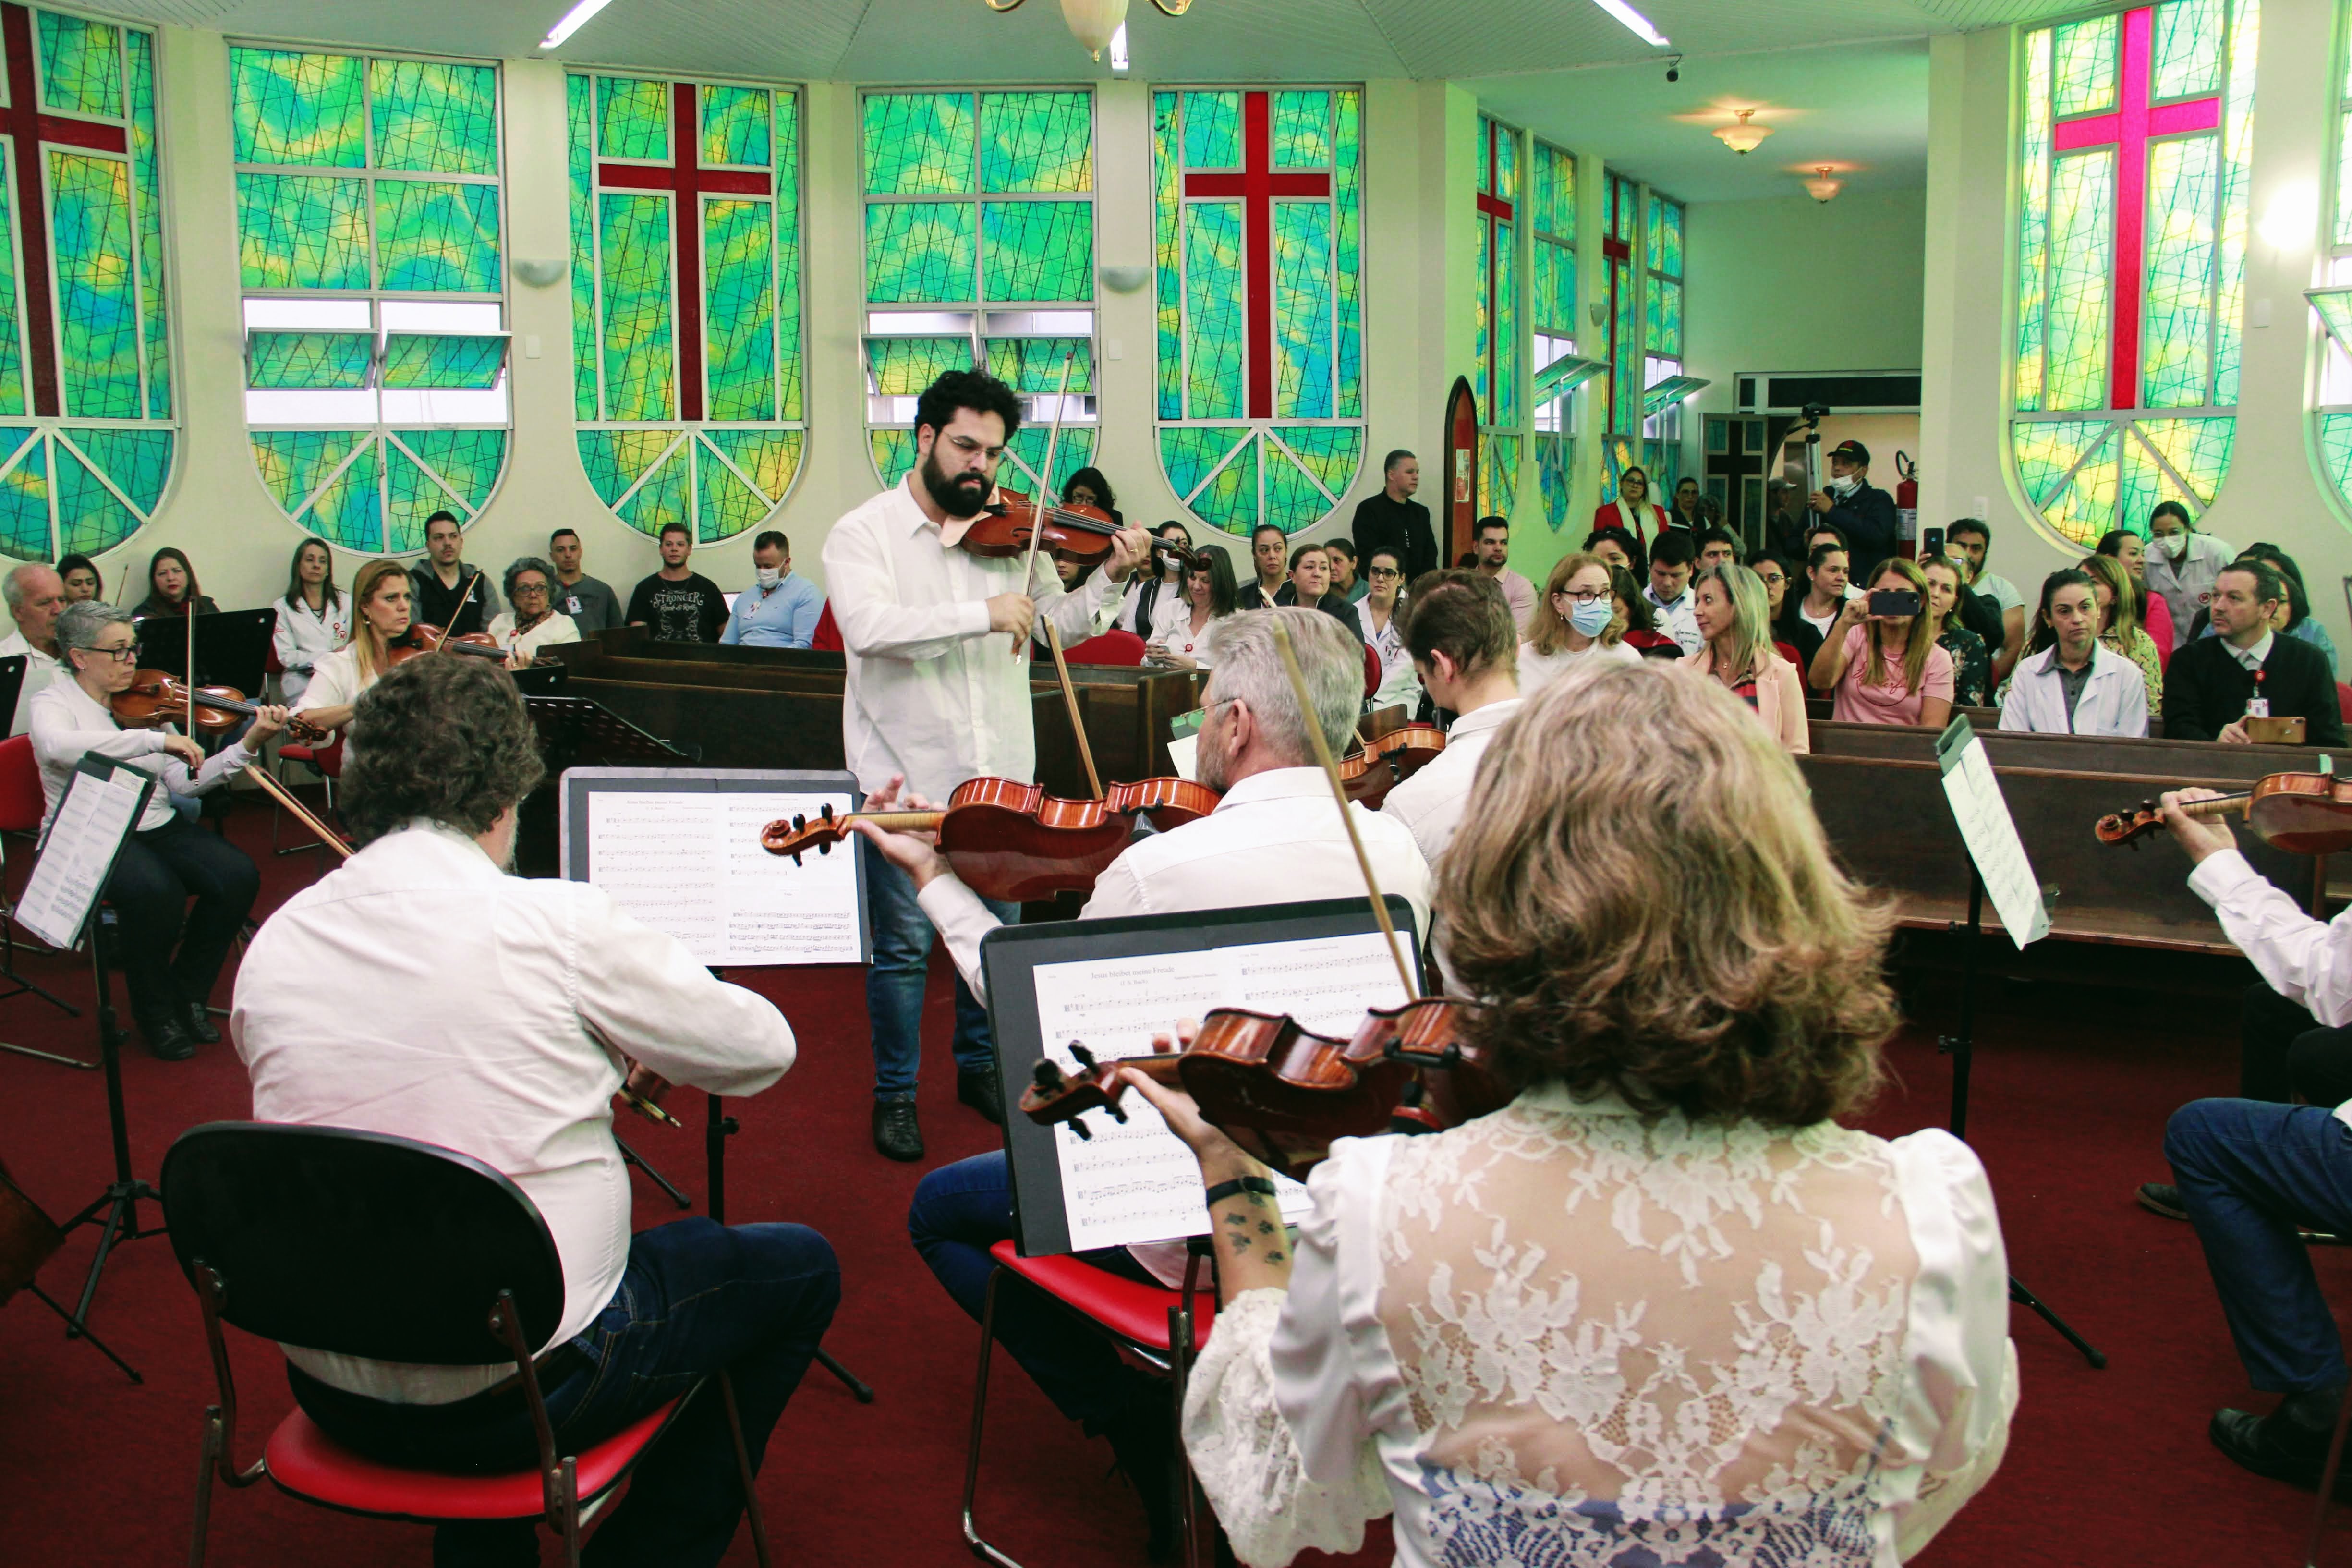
(1894, 602)
(1931, 544)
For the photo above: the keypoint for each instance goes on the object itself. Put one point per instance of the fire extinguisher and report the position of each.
(1906, 507)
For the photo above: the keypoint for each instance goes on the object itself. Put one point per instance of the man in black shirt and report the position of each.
(440, 582)
(1395, 519)
(678, 605)
(2213, 684)
(1862, 511)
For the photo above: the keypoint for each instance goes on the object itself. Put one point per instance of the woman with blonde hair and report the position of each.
(380, 595)
(1582, 621)
(1519, 1336)
(1734, 616)
(1887, 670)
(2119, 599)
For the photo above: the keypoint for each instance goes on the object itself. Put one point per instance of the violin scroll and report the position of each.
(2129, 827)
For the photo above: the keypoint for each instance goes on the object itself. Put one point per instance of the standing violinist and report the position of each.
(937, 692)
(1274, 837)
(381, 593)
(168, 859)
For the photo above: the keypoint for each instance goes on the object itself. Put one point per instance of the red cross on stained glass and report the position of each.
(686, 178)
(1616, 250)
(1257, 185)
(1494, 212)
(2129, 128)
(28, 131)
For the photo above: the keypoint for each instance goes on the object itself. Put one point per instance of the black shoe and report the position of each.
(1144, 1442)
(2164, 1198)
(2288, 1445)
(167, 1039)
(201, 1027)
(978, 1089)
(896, 1134)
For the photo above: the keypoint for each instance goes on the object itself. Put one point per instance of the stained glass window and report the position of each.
(688, 399)
(371, 256)
(980, 235)
(1643, 249)
(1257, 211)
(87, 431)
(1552, 311)
(2332, 302)
(2133, 165)
(1494, 379)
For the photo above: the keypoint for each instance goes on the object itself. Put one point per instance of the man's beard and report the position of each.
(961, 496)
(1212, 765)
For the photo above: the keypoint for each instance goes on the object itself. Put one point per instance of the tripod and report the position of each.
(1961, 1047)
(119, 1203)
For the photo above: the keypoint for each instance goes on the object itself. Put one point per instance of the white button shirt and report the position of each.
(302, 635)
(931, 692)
(1431, 802)
(67, 726)
(40, 669)
(421, 992)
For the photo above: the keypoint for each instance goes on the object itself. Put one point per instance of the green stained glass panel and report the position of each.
(2034, 227)
(139, 462)
(902, 367)
(2336, 450)
(769, 458)
(665, 495)
(921, 253)
(443, 361)
(788, 255)
(1486, 156)
(1482, 321)
(1555, 186)
(2178, 310)
(1168, 317)
(2237, 179)
(738, 361)
(2083, 507)
(1190, 452)
(2085, 65)
(1036, 142)
(2344, 182)
(2081, 247)
(90, 517)
(579, 98)
(1347, 192)
(2188, 36)
(2196, 450)
(298, 107)
(724, 505)
(308, 361)
(1506, 163)
(2047, 449)
(12, 362)
(439, 237)
(98, 351)
(350, 511)
(1075, 450)
(1671, 229)
(139, 55)
(81, 66)
(434, 117)
(467, 461)
(25, 496)
(640, 372)
(301, 231)
(1293, 503)
(1213, 129)
(894, 453)
(1626, 374)
(1229, 500)
(614, 460)
(735, 126)
(1498, 474)
(918, 144)
(1035, 364)
(1329, 452)
(2143, 483)
(1509, 338)
(1302, 130)
(295, 463)
(1662, 334)
(414, 496)
(1213, 310)
(1555, 468)
(632, 119)
(1653, 245)
(1038, 251)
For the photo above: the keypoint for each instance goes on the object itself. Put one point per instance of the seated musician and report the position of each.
(1465, 642)
(511, 1054)
(2248, 670)
(1276, 837)
(381, 591)
(2069, 682)
(1515, 1335)
(2250, 1171)
(167, 859)
(534, 622)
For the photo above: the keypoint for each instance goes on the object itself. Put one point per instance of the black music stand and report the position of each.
(575, 732)
(232, 646)
(11, 686)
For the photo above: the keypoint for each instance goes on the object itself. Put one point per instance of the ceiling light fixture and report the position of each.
(1743, 138)
(1634, 19)
(1098, 23)
(574, 20)
(1118, 51)
(1822, 187)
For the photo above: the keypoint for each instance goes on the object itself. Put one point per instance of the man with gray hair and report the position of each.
(36, 596)
(1276, 837)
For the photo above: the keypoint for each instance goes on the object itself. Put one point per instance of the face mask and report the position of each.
(2170, 546)
(1846, 485)
(1591, 619)
(768, 576)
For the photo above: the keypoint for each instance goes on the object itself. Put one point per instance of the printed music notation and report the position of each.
(77, 854)
(1138, 1183)
(1990, 835)
(691, 865)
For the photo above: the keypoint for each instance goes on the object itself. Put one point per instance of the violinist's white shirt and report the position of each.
(420, 991)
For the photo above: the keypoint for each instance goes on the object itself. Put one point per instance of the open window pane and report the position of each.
(443, 361)
(308, 362)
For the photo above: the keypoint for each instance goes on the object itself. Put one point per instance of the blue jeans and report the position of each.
(959, 1211)
(2250, 1171)
(895, 981)
(698, 1298)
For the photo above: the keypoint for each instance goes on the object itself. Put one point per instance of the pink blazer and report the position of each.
(1779, 698)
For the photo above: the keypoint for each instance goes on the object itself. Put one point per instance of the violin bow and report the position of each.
(449, 632)
(188, 612)
(1045, 495)
(1339, 793)
(301, 813)
(1070, 697)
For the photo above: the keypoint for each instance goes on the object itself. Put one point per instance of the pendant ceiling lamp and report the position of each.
(1092, 22)
(1743, 138)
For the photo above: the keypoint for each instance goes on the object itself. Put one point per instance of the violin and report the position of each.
(1408, 1069)
(2303, 814)
(433, 639)
(1405, 751)
(154, 697)
(1014, 841)
(1082, 533)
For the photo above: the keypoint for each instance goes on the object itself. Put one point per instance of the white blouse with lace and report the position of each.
(1567, 1336)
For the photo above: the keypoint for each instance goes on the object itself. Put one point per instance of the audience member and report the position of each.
(534, 624)
(676, 604)
(1589, 606)
(446, 591)
(1971, 660)
(591, 605)
(82, 578)
(2248, 670)
(1180, 638)
(1621, 550)
(2119, 626)
(1863, 512)
(313, 618)
(37, 597)
(1463, 644)
(1494, 552)
(1310, 586)
(1669, 590)
(1348, 578)
(1693, 510)
(1970, 540)
(171, 587)
(1773, 573)
(1381, 616)
(1806, 618)
(1785, 516)
(1394, 518)
(778, 609)
(1887, 670)
(1642, 519)
(1270, 561)
(1856, 568)
(1151, 588)
(2182, 563)
(1717, 547)
(1731, 610)
(1086, 486)
(2294, 617)
(2069, 683)
(2154, 610)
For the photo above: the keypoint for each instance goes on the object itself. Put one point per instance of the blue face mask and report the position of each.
(1591, 619)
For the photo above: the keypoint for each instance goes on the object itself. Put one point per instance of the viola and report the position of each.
(1014, 841)
(1080, 533)
(2303, 814)
(1266, 1078)
(1378, 766)
(154, 697)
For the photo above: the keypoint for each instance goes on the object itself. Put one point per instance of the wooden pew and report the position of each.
(2154, 759)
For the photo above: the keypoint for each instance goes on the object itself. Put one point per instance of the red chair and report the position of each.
(24, 804)
(2344, 700)
(328, 761)
(826, 639)
(1159, 1327)
(1111, 647)
(1371, 671)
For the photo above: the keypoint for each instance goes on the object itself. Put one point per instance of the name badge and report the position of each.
(2258, 707)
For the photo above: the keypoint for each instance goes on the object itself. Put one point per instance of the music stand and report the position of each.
(575, 732)
(11, 686)
(232, 646)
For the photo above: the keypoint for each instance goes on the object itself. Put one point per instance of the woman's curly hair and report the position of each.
(1641, 892)
(441, 738)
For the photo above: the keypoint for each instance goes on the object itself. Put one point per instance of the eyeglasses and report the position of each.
(122, 655)
(1581, 595)
(1385, 572)
(520, 589)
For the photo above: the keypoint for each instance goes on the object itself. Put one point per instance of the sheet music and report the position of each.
(690, 863)
(95, 816)
(1991, 833)
(1139, 1183)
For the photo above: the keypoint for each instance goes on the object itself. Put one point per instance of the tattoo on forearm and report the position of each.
(1241, 1243)
(1274, 1258)
(1239, 1219)
(1266, 1228)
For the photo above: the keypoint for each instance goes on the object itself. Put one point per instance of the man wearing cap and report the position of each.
(1865, 513)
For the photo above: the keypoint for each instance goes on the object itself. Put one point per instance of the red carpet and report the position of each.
(2072, 1088)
